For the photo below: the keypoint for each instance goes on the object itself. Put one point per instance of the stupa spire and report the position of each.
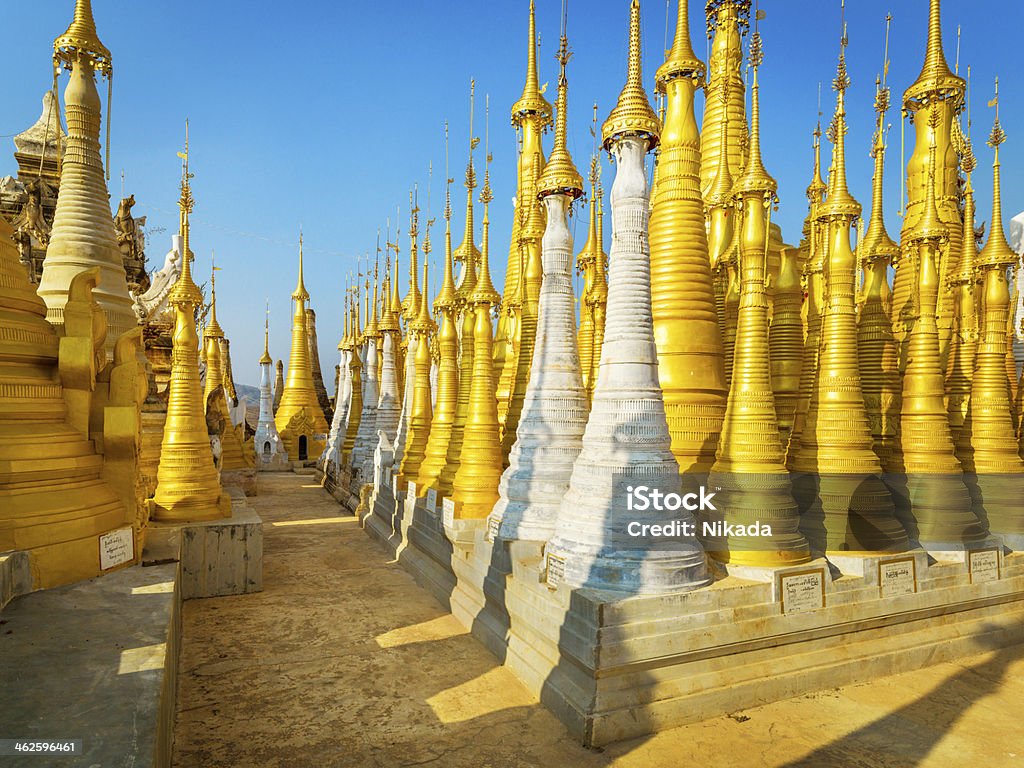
(444, 411)
(632, 114)
(467, 252)
(724, 109)
(586, 264)
(848, 508)
(267, 442)
(188, 484)
(475, 484)
(680, 60)
(265, 358)
(749, 464)
(937, 498)
(937, 91)
(82, 235)
(300, 419)
(420, 409)
(553, 417)
(213, 334)
(627, 399)
(997, 250)
(531, 116)
(532, 102)
(691, 364)
(411, 302)
(470, 257)
(876, 346)
(992, 458)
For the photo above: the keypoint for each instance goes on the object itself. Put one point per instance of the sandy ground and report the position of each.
(344, 661)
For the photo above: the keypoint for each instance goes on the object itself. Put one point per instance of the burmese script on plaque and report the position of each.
(116, 548)
(984, 566)
(803, 592)
(897, 577)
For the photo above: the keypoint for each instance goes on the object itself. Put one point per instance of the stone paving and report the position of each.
(343, 661)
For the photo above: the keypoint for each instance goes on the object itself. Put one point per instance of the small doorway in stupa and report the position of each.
(302, 448)
(266, 449)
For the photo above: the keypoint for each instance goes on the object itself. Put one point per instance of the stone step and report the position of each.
(95, 661)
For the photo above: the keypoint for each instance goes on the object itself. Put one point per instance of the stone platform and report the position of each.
(95, 661)
(614, 667)
(218, 557)
(15, 576)
(374, 672)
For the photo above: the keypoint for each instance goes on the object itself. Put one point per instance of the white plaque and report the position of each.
(117, 547)
(411, 489)
(432, 501)
(803, 591)
(897, 577)
(555, 570)
(984, 564)
(493, 527)
(449, 512)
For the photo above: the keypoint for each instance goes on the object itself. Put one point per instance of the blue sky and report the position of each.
(325, 113)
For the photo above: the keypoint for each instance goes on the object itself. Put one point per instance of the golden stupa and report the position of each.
(83, 233)
(475, 484)
(750, 463)
(531, 115)
(691, 362)
(188, 485)
(300, 419)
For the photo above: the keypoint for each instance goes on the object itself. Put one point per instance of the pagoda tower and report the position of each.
(592, 263)
(845, 505)
(749, 467)
(554, 416)
(269, 448)
(691, 363)
(876, 346)
(420, 411)
(300, 419)
(786, 340)
(590, 547)
(724, 113)
(355, 365)
(469, 255)
(936, 91)
(597, 298)
(188, 483)
(447, 386)
(965, 284)
(996, 471)
(213, 334)
(389, 408)
(278, 384)
(366, 436)
(314, 361)
(531, 116)
(937, 497)
(83, 230)
(814, 280)
(408, 342)
(31, 207)
(475, 485)
(343, 395)
(722, 249)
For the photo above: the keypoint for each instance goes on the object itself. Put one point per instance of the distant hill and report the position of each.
(250, 392)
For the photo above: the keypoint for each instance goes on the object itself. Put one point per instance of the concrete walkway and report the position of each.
(344, 661)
